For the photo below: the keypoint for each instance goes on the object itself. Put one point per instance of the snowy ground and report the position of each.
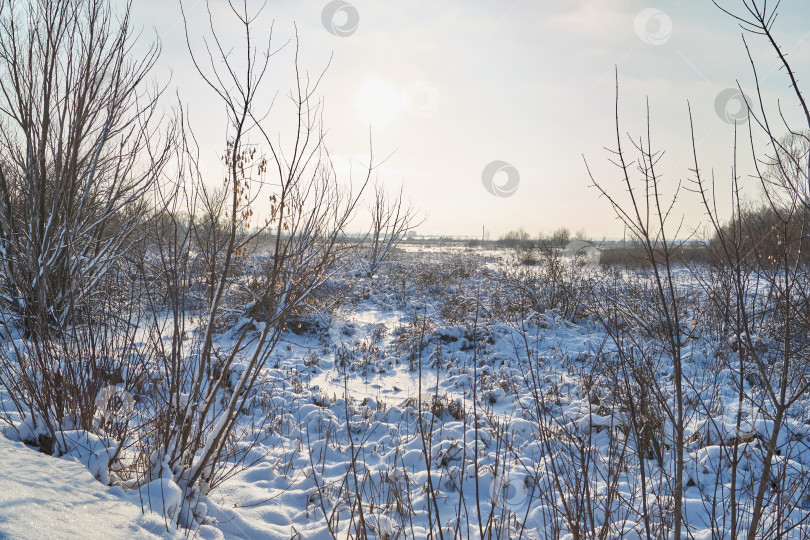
(405, 404)
(43, 497)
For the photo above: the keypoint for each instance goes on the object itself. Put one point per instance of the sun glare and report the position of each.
(377, 102)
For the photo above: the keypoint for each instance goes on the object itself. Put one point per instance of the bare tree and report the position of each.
(391, 219)
(646, 217)
(207, 387)
(80, 145)
(765, 283)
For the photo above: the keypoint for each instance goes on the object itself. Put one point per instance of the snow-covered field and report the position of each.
(460, 395)
(43, 497)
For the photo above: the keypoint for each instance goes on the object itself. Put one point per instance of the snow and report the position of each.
(343, 402)
(44, 497)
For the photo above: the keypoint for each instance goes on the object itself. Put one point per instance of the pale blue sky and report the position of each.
(451, 86)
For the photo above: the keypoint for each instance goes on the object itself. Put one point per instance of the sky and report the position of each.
(487, 111)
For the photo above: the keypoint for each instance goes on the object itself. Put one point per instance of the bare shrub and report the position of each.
(80, 149)
(207, 388)
(556, 282)
(71, 380)
(391, 219)
(756, 255)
